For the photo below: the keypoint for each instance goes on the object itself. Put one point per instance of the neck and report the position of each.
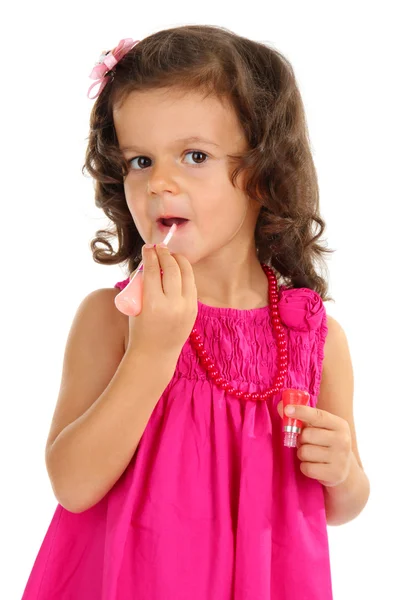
(243, 285)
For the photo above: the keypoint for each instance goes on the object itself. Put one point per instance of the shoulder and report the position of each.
(337, 383)
(102, 300)
(336, 349)
(99, 310)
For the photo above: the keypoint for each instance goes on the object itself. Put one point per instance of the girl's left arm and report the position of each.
(327, 445)
(343, 502)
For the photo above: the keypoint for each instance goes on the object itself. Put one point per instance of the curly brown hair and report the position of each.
(278, 166)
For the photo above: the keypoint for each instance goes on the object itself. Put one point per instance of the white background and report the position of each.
(345, 56)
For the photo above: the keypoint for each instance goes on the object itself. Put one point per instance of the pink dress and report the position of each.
(212, 505)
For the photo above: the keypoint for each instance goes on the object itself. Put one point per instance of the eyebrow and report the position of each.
(187, 140)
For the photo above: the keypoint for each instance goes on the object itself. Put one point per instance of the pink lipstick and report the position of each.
(292, 427)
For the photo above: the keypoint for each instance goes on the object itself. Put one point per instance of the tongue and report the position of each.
(170, 222)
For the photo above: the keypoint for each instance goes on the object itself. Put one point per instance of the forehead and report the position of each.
(159, 116)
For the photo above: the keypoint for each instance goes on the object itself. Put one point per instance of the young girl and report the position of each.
(166, 449)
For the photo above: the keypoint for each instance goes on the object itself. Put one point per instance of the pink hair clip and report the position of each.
(108, 60)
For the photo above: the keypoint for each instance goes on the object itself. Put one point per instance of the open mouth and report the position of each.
(170, 221)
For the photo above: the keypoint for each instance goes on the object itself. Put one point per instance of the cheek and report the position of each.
(221, 200)
(214, 217)
(134, 203)
(137, 209)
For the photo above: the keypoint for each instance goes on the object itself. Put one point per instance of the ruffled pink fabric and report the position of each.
(301, 309)
(212, 505)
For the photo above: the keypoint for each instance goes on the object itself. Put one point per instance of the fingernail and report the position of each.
(290, 410)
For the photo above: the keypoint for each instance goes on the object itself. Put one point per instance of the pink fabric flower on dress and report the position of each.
(108, 60)
(301, 308)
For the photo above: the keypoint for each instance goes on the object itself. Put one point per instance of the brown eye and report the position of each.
(196, 155)
(139, 158)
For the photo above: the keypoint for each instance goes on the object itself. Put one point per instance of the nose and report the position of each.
(162, 179)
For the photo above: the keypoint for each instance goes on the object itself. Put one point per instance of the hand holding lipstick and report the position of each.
(169, 306)
(129, 301)
(324, 445)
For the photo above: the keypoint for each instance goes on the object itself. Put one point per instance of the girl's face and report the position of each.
(172, 175)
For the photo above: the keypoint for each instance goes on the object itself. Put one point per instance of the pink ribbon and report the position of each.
(106, 62)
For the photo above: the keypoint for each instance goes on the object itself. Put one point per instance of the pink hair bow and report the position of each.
(106, 62)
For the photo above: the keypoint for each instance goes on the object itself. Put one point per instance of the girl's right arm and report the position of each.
(107, 396)
(90, 453)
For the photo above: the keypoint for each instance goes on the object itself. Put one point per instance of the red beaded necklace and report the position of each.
(209, 364)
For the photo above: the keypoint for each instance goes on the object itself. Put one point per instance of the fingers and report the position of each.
(187, 276)
(170, 282)
(171, 278)
(317, 437)
(151, 274)
(177, 279)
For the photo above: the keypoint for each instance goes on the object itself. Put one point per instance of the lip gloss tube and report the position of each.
(129, 300)
(292, 427)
